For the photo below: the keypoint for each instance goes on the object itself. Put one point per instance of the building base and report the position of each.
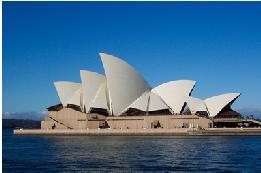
(68, 118)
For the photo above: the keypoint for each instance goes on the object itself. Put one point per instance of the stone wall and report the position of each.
(68, 118)
(164, 121)
(65, 119)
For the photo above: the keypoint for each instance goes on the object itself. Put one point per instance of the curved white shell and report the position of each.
(100, 100)
(216, 103)
(91, 82)
(149, 101)
(68, 92)
(175, 93)
(141, 103)
(196, 104)
(124, 83)
(156, 103)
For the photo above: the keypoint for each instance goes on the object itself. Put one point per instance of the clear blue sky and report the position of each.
(217, 44)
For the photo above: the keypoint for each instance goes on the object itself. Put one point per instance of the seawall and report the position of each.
(144, 132)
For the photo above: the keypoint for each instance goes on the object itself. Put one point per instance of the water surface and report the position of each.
(130, 154)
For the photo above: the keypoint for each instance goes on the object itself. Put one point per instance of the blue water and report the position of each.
(130, 154)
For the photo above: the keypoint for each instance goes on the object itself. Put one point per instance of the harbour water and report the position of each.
(130, 154)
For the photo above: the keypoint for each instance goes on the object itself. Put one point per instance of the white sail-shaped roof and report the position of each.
(196, 104)
(68, 92)
(124, 83)
(100, 100)
(216, 103)
(91, 82)
(141, 103)
(175, 93)
(149, 101)
(156, 103)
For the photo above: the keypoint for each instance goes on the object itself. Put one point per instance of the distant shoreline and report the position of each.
(145, 132)
(21, 123)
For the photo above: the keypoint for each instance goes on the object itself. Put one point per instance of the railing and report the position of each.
(255, 121)
(227, 120)
(236, 120)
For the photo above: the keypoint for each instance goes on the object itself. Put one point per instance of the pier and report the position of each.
(143, 132)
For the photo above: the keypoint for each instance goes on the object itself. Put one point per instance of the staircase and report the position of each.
(60, 123)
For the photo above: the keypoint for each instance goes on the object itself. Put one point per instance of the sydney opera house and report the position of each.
(123, 99)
